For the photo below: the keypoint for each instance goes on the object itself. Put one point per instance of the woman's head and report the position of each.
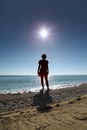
(44, 56)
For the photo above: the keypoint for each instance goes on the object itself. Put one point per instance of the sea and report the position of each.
(19, 84)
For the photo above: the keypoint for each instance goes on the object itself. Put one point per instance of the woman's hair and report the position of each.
(44, 56)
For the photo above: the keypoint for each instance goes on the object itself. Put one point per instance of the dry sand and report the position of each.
(63, 109)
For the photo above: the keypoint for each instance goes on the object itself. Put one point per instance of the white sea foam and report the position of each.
(37, 89)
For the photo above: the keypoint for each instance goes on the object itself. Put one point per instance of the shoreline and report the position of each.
(10, 102)
(37, 89)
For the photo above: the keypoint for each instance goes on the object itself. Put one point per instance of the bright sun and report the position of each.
(44, 33)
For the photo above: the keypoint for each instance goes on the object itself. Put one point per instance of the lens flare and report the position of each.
(43, 33)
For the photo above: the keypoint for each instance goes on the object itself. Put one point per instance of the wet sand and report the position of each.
(62, 109)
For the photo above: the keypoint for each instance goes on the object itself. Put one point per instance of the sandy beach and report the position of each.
(60, 109)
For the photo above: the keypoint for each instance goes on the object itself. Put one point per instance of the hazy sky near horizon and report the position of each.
(20, 47)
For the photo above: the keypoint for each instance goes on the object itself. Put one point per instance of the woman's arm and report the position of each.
(38, 69)
(47, 69)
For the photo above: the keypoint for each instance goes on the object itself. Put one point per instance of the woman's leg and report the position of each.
(46, 80)
(42, 82)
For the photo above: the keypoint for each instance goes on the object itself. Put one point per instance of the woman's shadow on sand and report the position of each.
(42, 101)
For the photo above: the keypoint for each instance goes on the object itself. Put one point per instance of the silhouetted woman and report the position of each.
(43, 71)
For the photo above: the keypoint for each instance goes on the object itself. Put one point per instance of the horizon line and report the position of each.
(37, 75)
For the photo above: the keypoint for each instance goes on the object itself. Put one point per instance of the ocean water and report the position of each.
(15, 84)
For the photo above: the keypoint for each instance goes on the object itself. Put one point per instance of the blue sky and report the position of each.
(20, 47)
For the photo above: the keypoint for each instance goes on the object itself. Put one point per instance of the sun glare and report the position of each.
(44, 33)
